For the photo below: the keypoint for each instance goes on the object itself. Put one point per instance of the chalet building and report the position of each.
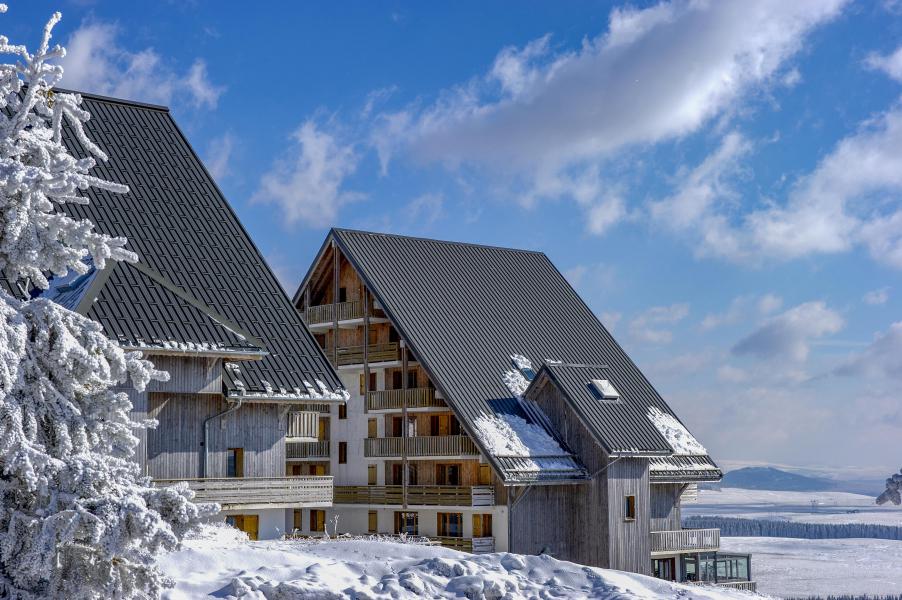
(245, 374)
(490, 410)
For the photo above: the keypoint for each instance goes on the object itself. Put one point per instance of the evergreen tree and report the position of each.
(77, 519)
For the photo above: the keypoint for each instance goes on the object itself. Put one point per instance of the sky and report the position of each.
(720, 181)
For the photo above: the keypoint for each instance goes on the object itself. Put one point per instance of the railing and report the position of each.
(318, 449)
(685, 540)
(475, 545)
(303, 425)
(749, 586)
(260, 491)
(394, 399)
(324, 313)
(353, 355)
(417, 495)
(433, 445)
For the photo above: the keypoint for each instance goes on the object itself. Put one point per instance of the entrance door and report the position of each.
(249, 524)
(664, 568)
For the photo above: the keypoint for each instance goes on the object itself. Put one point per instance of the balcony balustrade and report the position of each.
(260, 492)
(325, 313)
(433, 445)
(417, 495)
(307, 450)
(395, 399)
(685, 540)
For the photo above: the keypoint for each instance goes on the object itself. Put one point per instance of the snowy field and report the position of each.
(226, 566)
(790, 567)
(831, 507)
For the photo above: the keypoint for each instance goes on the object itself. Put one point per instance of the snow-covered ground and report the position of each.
(223, 565)
(831, 507)
(791, 567)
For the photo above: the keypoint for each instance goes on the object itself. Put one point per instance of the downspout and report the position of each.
(238, 403)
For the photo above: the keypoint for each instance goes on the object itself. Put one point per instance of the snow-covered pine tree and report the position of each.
(77, 519)
(893, 492)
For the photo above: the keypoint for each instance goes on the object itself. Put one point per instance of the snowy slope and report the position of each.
(225, 566)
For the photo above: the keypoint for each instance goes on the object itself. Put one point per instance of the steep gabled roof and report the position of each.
(200, 278)
(467, 309)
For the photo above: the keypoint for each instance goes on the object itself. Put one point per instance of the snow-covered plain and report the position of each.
(221, 564)
(796, 568)
(831, 507)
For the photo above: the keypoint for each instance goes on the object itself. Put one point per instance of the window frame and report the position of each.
(629, 507)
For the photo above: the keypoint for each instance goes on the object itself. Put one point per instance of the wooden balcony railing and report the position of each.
(265, 492)
(303, 424)
(417, 495)
(433, 445)
(394, 399)
(324, 313)
(317, 450)
(685, 540)
(353, 355)
(475, 545)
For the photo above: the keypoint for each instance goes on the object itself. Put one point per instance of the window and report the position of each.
(342, 453)
(482, 525)
(447, 474)
(397, 474)
(664, 568)
(450, 524)
(317, 520)
(342, 294)
(235, 462)
(485, 475)
(371, 474)
(372, 428)
(372, 521)
(298, 519)
(407, 522)
(393, 335)
(444, 425)
(411, 379)
(372, 387)
(318, 470)
(603, 390)
(396, 380)
(323, 428)
(343, 410)
(296, 470)
(249, 524)
(396, 426)
(629, 508)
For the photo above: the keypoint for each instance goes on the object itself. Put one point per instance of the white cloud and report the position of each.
(882, 357)
(307, 182)
(611, 319)
(218, 155)
(789, 334)
(732, 374)
(651, 325)
(656, 74)
(426, 209)
(890, 64)
(739, 309)
(96, 62)
(875, 297)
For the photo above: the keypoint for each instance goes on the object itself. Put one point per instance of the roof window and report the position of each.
(603, 389)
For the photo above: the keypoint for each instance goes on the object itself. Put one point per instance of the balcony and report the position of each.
(324, 314)
(480, 545)
(417, 495)
(307, 450)
(685, 540)
(433, 445)
(303, 426)
(260, 492)
(395, 399)
(353, 355)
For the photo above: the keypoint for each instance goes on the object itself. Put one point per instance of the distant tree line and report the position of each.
(734, 526)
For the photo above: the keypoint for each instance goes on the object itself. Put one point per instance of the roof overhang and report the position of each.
(224, 353)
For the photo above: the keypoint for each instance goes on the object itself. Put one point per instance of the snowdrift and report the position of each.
(223, 564)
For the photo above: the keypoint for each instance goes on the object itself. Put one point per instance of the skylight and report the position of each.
(603, 389)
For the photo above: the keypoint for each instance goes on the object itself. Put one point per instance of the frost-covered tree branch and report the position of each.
(77, 519)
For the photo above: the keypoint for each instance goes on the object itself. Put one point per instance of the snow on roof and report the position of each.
(191, 347)
(515, 382)
(675, 433)
(521, 362)
(511, 435)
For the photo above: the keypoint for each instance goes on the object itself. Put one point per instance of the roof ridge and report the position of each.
(113, 99)
(437, 241)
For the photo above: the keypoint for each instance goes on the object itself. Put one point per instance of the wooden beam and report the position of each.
(404, 424)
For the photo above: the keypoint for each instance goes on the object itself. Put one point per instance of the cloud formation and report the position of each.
(890, 64)
(307, 183)
(882, 357)
(789, 334)
(652, 325)
(96, 62)
(876, 297)
(218, 155)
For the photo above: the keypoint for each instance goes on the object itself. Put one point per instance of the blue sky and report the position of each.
(722, 181)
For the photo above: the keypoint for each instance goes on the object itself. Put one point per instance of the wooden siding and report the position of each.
(188, 375)
(568, 521)
(175, 447)
(469, 470)
(630, 540)
(665, 506)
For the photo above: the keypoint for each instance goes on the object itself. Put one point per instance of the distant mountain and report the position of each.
(769, 478)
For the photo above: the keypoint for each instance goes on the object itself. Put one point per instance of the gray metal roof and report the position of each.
(622, 426)
(185, 232)
(466, 309)
(683, 469)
